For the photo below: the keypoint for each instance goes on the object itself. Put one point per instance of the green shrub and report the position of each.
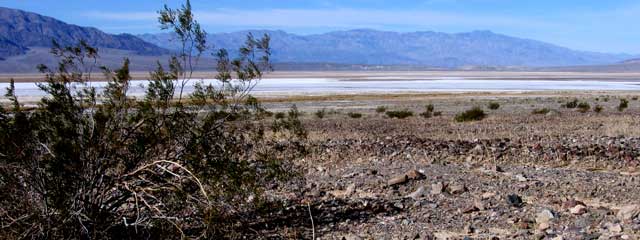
(428, 113)
(584, 107)
(279, 115)
(624, 104)
(381, 109)
(429, 108)
(474, 114)
(598, 109)
(541, 111)
(571, 105)
(494, 106)
(401, 114)
(354, 115)
(321, 113)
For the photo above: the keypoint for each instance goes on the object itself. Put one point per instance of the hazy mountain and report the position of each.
(20, 30)
(479, 48)
(9, 48)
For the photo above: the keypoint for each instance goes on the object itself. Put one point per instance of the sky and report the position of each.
(591, 25)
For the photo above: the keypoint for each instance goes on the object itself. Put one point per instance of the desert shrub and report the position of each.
(400, 114)
(428, 111)
(474, 114)
(354, 115)
(624, 104)
(606, 99)
(279, 115)
(321, 113)
(86, 164)
(381, 109)
(437, 114)
(540, 111)
(634, 98)
(429, 108)
(494, 106)
(572, 104)
(584, 107)
(597, 109)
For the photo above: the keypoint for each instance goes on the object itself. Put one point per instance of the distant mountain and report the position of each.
(9, 48)
(479, 48)
(20, 30)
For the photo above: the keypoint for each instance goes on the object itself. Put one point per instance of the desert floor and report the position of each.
(514, 175)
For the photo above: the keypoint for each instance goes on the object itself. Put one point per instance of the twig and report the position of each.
(313, 226)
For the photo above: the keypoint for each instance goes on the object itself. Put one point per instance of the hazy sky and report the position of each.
(595, 25)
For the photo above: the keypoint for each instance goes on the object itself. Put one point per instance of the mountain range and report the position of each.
(25, 37)
(478, 48)
(20, 30)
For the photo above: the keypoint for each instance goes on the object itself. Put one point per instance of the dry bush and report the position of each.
(87, 164)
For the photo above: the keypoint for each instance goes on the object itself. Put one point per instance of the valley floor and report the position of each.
(514, 175)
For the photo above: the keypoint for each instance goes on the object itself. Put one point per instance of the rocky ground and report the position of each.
(513, 175)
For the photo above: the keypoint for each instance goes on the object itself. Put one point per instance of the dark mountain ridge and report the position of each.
(21, 30)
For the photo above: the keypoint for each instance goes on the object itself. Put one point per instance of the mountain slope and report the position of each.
(33, 30)
(479, 48)
(9, 48)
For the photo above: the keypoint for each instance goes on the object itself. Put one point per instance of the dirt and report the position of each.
(513, 175)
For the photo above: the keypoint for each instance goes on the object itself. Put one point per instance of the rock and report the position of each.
(470, 209)
(417, 194)
(351, 189)
(520, 178)
(398, 180)
(629, 212)
(515, 201)
(457, 189)
(613, 227)
(480, 205)
(544, 226)
(496, 168)
(351, 237)
(477, 149)
(414, 175)
(544, 216)
(437, 188)
(469, 229)
(488, 195)
(404, 178)
(578, 209)
(350, 175)
(571, 203)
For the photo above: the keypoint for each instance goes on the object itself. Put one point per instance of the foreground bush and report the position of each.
(474, 114)
(87, 164)
(401, 114)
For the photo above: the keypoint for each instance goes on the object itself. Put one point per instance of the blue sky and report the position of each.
(593, 25)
